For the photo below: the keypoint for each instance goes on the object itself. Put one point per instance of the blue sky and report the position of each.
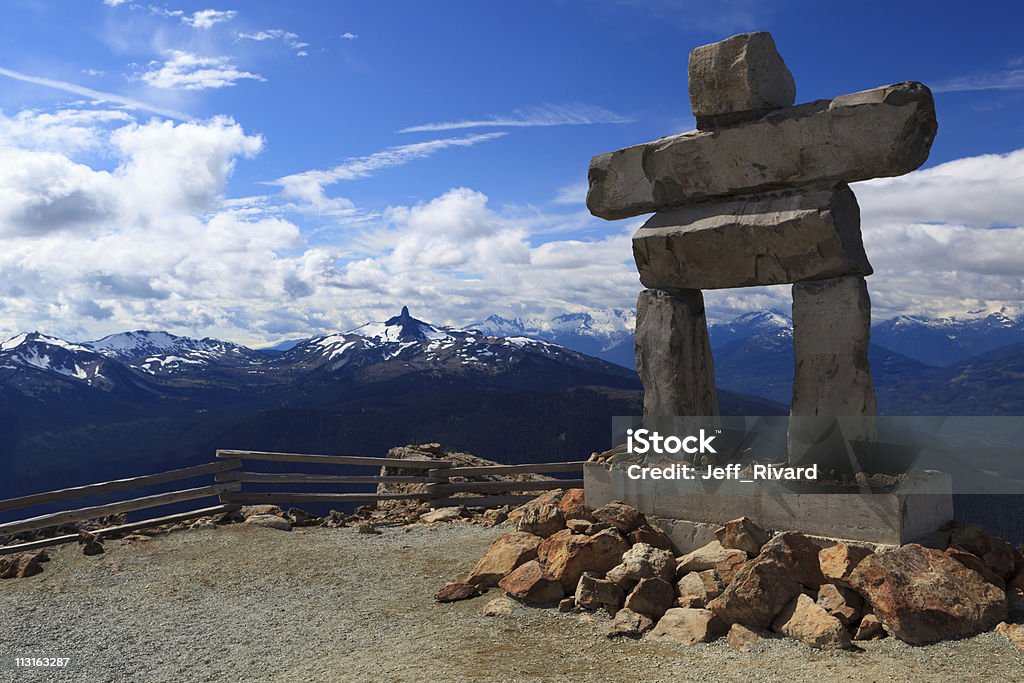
(257, 171)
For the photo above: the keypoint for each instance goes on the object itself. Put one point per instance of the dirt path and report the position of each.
(241, 603)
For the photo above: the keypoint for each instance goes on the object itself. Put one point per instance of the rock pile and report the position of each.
(748, 584)
(759, 195)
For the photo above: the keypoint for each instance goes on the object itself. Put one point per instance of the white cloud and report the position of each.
(114, 3)
(291, 40)
(208, 18)
(348, 35)
(308, 186)
(186, 71)
(547, 115)
(94, 95)
(575, 193)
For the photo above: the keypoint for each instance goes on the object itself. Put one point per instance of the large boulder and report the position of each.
(652, 597)
(629, 624)
(761, 589)
(593, 592)
(574, 506)
(924, 595)
(507, 552)
(688, 626)
(644, 561)
(651, 535)
(744, 638)
(975, 563)
(798, 554)
(21, 565)
(706, 557)
(623, 517)
(845, 604)
(742, 534)
(567, 555)
(998, 555)
(804, 620)
(838, 562)
(530, 583)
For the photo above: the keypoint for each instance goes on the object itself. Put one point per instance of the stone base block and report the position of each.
(914, 512)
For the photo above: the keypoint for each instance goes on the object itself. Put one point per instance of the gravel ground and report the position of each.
(243, 603)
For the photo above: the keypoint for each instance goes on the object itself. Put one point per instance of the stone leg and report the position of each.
(832, 379)
(673, 355)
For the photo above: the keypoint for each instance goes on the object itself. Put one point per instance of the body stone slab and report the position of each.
(673, 354)
(767, 240)
(887, 131)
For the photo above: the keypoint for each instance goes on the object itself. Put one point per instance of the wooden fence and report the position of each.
(441, 480)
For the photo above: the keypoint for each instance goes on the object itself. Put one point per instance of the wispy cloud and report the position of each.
(292, 40)
(308, 186)
(208, 18)
(348, 35)
(95, 95)
(1010, 78)
(186, 71)
(546, 115)
(114, 3)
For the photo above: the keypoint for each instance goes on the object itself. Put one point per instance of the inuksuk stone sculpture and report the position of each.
(759, 195)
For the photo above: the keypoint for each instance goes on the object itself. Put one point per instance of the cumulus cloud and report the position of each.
(348, 35)
(546, 115)
(186, 71)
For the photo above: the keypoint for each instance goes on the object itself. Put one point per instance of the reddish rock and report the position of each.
(1013, 632)
(839, 561)
(744, 638)
(651, 535)
(758, 593)
(553, 497)
(629, 624)
(22, 565)
(806, 621)
(697, 589)
(975, 563)
(843, 603)
(999, 555)
(530, 583)
(541, 520)
(706, 557)
(644, 561)
(457, 591)
(727, 569)
(924, 595)
(567, 555)
(869, 628)
(742, 534)
(798, 554)
(593, 592)
(688, 626)
(574, 506)
(623, 517)
(652, 597)
(507, 552)
(578, 526)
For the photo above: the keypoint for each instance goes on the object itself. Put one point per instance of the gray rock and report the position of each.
(673, 354)
(449, 514)
(766, 240)
(887, 131)
(738, 78)
(270, 521)
(832, 376)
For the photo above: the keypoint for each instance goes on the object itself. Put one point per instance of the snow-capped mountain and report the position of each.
(750, 325)
(606, 334)
(161, 353)
(945, 341)
(38, 352)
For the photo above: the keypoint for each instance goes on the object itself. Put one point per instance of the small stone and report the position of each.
(838, 562)
(452, 592)
(688, 626)
(269, 521)
(532, 584)
(499, 607)
(842, 603)
(623, 517)
(805, 621)
(367, 528)
(248, 511)
(566, 604)
(629, 624)
(742, 534)
(448, 514)
(706, 557)
(738, 79)
(593, 592)
(1013, 632)
(744, 638)
(22, 565)
(869, 628)
(652, 597)
(495, 516)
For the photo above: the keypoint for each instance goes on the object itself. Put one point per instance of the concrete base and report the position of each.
(691, 510)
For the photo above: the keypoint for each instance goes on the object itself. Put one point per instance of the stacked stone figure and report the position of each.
(758, 195)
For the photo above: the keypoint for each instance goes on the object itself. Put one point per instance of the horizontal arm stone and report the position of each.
(886, 131)
(803, 235)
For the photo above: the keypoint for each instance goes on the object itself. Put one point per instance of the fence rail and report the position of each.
(229, 476)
